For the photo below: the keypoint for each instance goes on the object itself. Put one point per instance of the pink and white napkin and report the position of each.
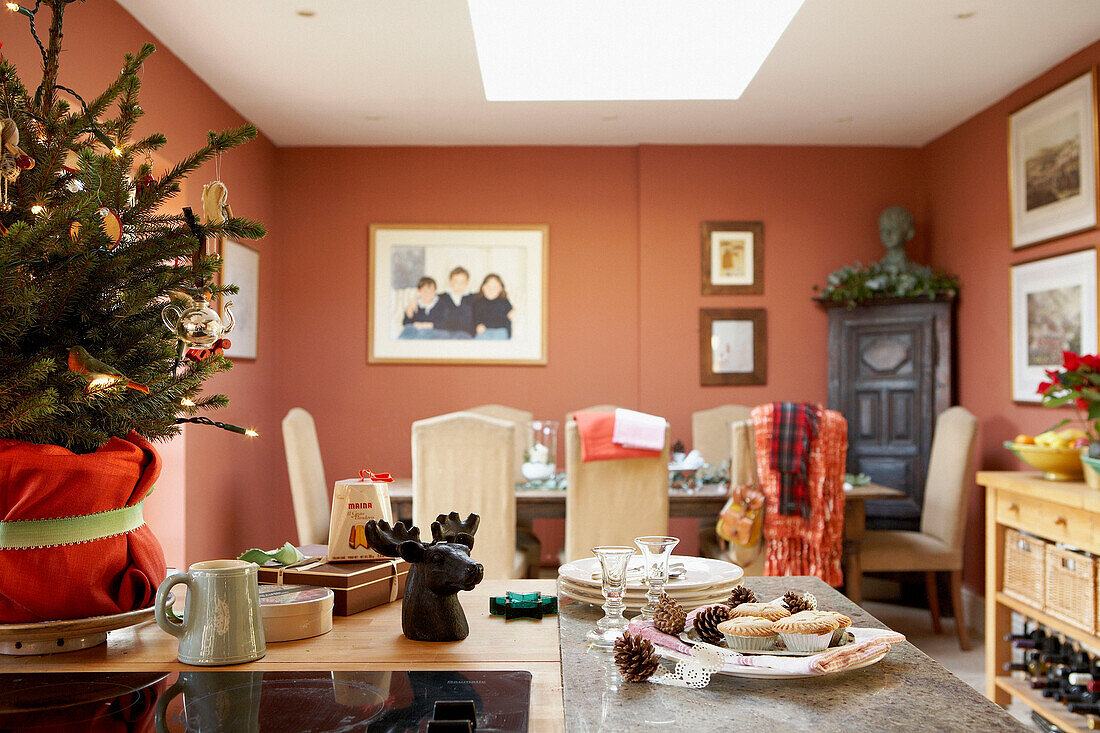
(867, 644)
(638, 430)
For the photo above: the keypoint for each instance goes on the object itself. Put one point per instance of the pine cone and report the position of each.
(796, 602)
(635, 657)
(740, 595)
(669, 616)
(707, 620)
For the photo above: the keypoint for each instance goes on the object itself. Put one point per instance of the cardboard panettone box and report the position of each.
(357, 586)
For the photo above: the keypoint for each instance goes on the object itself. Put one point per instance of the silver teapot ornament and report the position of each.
(196, 324)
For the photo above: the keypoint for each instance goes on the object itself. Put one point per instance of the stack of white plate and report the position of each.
(702, 582)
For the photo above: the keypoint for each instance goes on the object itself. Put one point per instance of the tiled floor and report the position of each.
(916, 624)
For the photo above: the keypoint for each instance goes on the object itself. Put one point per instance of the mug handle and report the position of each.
(161, 713)
(166, 617)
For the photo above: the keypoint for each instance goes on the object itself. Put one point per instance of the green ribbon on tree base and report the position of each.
(29, 534)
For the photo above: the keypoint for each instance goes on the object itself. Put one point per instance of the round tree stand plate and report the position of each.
(68, 635)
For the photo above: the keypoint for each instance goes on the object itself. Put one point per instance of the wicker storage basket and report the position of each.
(1071, 587)
(1024, 568)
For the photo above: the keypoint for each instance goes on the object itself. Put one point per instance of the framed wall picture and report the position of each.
(457, 294)
(1054, 304)
(1052, 163)
(241, 267)
(733, 258)
(733, 346)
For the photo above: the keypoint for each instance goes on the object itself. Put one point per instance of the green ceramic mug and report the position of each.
(221, 621)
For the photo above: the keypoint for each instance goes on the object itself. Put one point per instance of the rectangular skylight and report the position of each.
(561, 50)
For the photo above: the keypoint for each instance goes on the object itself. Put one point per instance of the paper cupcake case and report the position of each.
(806, 643)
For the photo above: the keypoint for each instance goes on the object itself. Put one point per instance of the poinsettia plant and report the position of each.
(1076, 383)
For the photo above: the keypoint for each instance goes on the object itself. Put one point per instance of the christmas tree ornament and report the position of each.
(795, 601)
(740, 595)
(112, 225)
(144, 183)
(195, 323)
(74, 230)
(669, 616)
(201, 355)
(24, 162)
(215, 203)
(636, 657)
(707, 620)
(100, 376)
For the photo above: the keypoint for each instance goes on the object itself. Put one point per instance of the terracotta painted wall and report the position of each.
(970, 231)
(205, 505)
(624, 275)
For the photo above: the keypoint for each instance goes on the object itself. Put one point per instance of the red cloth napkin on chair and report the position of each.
(596, 429)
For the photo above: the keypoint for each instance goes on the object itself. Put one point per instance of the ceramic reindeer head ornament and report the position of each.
(440, 569)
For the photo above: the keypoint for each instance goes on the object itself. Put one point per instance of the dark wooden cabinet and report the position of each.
(891, 372)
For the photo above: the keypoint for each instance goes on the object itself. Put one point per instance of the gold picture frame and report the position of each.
(401, 256)
(1053, 183)
(1054, 305)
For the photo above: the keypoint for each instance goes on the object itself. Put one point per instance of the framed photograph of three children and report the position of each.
(457, 294)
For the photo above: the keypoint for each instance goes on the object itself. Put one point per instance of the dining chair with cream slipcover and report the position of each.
(612, 502)
(464, 462)
(743, 473)
(308, 489)
(710, 431)
(520, 418)
(938, 545)
(526, 540)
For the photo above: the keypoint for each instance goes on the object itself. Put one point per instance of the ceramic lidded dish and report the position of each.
(295, 611)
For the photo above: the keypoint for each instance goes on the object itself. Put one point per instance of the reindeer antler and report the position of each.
(386, 539)
(451, 528)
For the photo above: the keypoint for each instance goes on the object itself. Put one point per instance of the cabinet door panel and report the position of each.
(885, 379)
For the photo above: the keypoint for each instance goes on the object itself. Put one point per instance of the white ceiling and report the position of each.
(405, 72)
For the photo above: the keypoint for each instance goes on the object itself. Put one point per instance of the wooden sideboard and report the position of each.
(1057, 511)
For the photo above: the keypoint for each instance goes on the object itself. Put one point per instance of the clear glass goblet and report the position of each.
(613, 562)
(655, 554)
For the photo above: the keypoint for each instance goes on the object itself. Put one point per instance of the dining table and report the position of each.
(573, 687)
(702, 504)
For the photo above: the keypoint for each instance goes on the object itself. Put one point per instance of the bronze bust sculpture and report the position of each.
(895, 228)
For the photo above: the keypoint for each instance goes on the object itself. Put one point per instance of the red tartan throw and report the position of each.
(794, 431)
(112, 574)
(795, 545)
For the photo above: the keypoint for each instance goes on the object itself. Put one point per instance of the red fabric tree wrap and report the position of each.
(110, 575)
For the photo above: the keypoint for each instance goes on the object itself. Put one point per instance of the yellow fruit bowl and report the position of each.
(1057, 464)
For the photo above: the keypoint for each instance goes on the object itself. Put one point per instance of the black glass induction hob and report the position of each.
(211, 701)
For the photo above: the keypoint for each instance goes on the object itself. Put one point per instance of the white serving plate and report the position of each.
(720, 592)
(702, 572)
(736, 670)
(635, 604)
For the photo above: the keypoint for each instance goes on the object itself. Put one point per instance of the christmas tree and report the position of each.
(91, 252)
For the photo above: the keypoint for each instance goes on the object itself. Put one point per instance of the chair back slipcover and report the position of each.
(950, 464)
(464, 462)
(742, 453)
(612, 502)
(521, 419)
(308, 489)
(710, 431)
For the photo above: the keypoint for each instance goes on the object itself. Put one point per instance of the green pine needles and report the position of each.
(63, 285)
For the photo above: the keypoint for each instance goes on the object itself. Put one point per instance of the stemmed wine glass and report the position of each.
(655, 553)
(613, 562)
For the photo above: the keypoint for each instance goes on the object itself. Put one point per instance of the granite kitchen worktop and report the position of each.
(906, 691)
